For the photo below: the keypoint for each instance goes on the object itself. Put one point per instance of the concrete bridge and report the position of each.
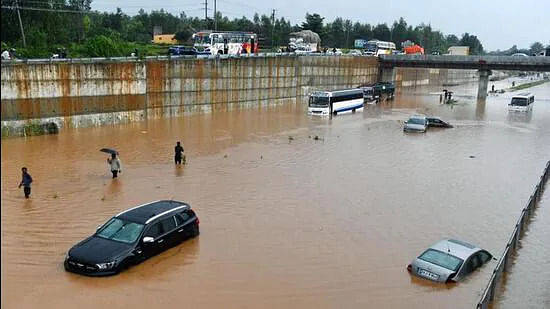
(484, 64)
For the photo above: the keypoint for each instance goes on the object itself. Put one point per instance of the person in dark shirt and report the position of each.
(26, 181)
(178, 153)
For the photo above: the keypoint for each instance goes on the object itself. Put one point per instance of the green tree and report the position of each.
(536, 48)
(476, 48)
(314, 22)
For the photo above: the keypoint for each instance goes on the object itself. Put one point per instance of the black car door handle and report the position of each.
(158, 242)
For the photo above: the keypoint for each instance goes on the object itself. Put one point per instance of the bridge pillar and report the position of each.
(483, 83)
(386, 74)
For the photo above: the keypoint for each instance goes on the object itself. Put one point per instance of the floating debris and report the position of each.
(290, 138)
(225, 156)
(316, 137)
(103, 198)
(471, 157)
(55, 195)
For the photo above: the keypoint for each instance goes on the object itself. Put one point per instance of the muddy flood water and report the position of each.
(285, 222)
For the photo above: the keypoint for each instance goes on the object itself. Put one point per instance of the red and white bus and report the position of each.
(225, 43)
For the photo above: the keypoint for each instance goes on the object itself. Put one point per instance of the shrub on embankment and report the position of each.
(30, 129)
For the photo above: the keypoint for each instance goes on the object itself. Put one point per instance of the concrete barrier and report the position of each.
(97, 91)
(513, 243)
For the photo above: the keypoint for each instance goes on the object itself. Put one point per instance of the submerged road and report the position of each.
(285, 223)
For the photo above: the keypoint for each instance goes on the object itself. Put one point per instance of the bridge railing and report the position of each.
(168, 57)
(512, 245)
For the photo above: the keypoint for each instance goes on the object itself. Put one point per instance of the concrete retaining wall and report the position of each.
(91, 92)
(82, 94)
(412, 77)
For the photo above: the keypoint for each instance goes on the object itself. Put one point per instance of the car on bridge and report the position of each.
(520, 55)
(448, 260)
(416, 123)
(180, 50)
(133, 236)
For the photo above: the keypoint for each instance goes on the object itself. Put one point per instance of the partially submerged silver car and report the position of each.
(416, 123)
(448, 260)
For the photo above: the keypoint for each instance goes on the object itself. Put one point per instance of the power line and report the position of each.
(21, 25)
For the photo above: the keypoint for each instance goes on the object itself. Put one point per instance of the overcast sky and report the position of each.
(498, 24)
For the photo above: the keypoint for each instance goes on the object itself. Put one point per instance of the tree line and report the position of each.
(71, 24)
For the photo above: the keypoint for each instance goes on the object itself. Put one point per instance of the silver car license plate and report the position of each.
(428, 274)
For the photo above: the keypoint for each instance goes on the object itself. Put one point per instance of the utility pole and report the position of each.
(272, 28)
(215, 16)
(206, 13)
(20, 24)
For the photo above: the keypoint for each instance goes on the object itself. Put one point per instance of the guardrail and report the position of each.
(169, 57)
(512, 245)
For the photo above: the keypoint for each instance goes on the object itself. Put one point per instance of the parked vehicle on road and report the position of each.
(335, 102)
(414, 49)
(354, 52)
(522, 102)
(180, 50)
(416, 123)
(225, 42)
(520, 55)
(377, 48)
(133, 236)
(438, 122)
(449, 260)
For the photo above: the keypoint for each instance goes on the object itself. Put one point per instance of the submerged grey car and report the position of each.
(448, 260)
(416, 123)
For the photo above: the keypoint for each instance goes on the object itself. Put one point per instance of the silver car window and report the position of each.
(442, 259)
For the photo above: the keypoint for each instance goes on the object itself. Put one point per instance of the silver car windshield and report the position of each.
(416, 121)
(120, 230)
(442, 259)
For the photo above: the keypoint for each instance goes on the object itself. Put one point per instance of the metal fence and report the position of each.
(513, 242)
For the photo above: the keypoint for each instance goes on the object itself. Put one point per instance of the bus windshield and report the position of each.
(201, 39)
(519, 102)
(370, 47)
(318, 101)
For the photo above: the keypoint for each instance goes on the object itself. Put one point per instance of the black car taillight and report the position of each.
(450, 278)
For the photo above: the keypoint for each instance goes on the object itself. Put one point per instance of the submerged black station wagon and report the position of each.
(133, 236)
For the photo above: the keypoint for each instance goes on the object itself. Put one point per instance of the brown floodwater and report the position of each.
(285, 223)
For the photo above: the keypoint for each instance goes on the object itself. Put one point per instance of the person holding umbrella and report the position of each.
(113, 161)
(116, 166)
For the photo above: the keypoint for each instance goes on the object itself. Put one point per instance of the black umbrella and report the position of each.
(109, 150)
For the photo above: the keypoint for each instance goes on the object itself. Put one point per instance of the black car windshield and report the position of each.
(120, 230)
(416, 121)
(442, 259)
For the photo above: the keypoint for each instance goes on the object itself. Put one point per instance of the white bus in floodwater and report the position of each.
(522, 102)
(335, 102)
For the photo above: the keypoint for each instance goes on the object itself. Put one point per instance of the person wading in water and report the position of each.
(26, 181)
(116, 166)
(178, 156)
